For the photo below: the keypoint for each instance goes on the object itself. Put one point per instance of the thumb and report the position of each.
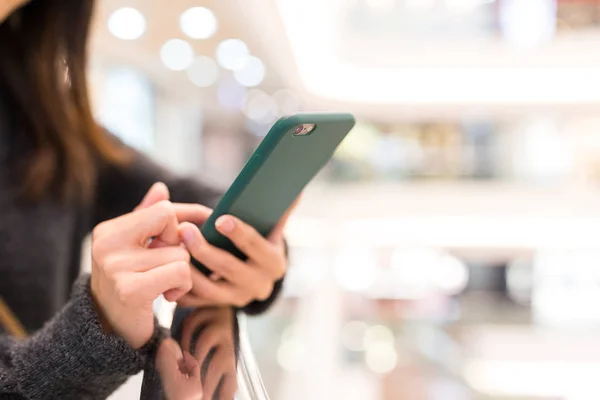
(158, 192)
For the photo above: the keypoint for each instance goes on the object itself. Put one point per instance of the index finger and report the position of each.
(142, 225)
(194, 213)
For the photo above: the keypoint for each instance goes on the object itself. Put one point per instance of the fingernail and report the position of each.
(225, 224)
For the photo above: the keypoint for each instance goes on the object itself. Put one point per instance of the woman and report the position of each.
(60, 175)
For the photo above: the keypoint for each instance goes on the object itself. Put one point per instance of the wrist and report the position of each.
(102, 320)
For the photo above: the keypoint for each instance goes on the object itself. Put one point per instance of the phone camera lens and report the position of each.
(298, 130)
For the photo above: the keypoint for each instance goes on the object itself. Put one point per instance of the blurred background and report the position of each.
(451, 249)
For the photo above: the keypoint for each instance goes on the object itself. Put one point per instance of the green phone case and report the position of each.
(280, 168)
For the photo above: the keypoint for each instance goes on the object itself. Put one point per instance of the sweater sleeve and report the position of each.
(120, 190)
(70, 357)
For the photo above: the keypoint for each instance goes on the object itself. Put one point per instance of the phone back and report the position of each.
(279, 169)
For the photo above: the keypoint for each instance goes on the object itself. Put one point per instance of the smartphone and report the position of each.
(291, 154)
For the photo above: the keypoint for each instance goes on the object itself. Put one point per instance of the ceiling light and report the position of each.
(419, 4)
(232, 54)
(251, 74)
(381, 358)
(127, 23)
(355, 269)
(177, 54)
(382, 4)
(203, 72)
(198, 23)
(462, 6)
(528, 23)
(291, 355)
(353, 335)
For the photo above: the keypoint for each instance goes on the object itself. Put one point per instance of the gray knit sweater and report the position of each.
(68, 356)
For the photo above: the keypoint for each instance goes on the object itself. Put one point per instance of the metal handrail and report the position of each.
(250, 383)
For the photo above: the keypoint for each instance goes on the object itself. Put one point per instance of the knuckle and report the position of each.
(181, 254)
(199, 209)
(240, 302)
(124, 292)
(248, 241)
(112, 262)
(182, 270)
(265, 292)
(98, 251)
(166, 209)
(98, 231)
(225, 266)
(280, 271)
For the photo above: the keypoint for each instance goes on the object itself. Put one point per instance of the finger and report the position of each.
(244, 237)
(270, 263)
(194, 213)
(215, 277)
(179, 372)
(158, 220)
(174, 294)
(143, 260)
(229, 387)
(159, 280)
(214, 375)
(276, 234)
(192, 367)
(191, 324)
(168, 356)
(213, 258)
(217, 293)
(158, 192)
(208, 340)
(192, 300)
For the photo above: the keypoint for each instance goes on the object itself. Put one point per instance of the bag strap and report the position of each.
(10, 322)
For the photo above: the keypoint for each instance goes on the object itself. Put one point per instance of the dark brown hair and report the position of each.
(43, 61)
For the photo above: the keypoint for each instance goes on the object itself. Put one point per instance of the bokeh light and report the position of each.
(291, 354)
(356, 269)
(260, 107)
(252, 73)
(203, 72)
(381, 358)
(177, 54)
(353, 335)
(127, 23)
(198, 23)
(378, 334)
(232, 54)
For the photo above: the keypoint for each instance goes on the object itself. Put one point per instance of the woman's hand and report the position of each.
(127, 275)
(7, 7)
(179, 372)
(235, 282)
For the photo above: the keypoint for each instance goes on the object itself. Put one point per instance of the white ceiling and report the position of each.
(300, 42)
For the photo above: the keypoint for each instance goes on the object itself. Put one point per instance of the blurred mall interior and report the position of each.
(450, 250)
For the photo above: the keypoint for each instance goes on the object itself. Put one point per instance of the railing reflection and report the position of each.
(217, 338)
(250, 383)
